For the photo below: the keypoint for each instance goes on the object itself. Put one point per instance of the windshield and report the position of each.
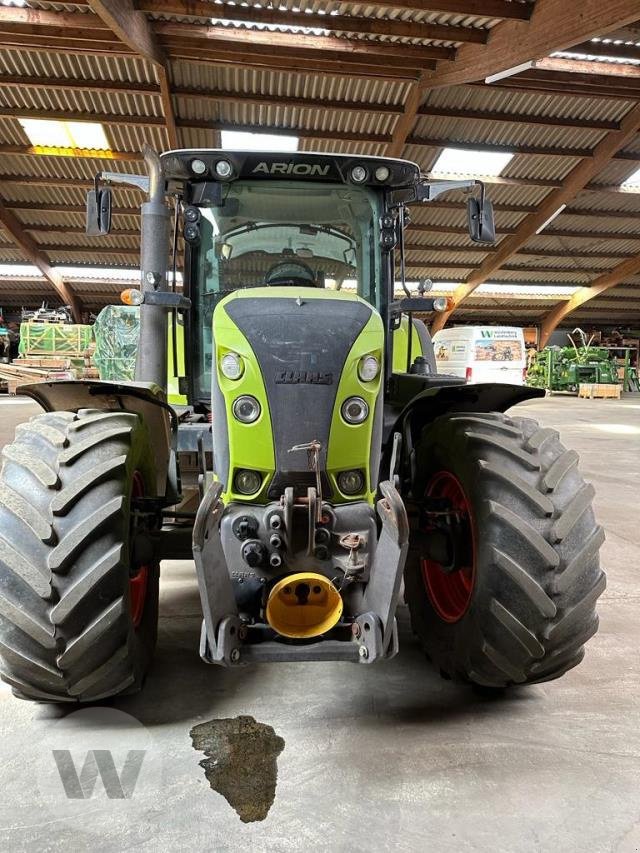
(282, 233)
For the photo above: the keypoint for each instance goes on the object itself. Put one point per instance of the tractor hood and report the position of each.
(300, 349)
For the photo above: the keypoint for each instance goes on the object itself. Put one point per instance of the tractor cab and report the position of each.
(332, 223)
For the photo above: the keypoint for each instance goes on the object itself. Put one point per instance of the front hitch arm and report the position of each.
(383, 590)
(220, 637)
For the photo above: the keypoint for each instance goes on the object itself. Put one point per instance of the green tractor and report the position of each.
(309, 458)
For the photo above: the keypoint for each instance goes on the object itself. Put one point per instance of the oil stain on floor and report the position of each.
(241, 763)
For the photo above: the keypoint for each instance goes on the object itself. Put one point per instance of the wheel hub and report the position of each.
(448, 555)
(139, 573)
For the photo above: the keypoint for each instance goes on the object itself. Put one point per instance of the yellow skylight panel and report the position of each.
(47, 133)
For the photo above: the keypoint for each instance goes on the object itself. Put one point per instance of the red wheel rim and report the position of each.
(138, 582)
(450, 593)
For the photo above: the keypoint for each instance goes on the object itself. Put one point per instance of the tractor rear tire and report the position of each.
(523, 605)
(78, 621)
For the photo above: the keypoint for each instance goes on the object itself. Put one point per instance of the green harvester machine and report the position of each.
(287, 430)
(566, 368)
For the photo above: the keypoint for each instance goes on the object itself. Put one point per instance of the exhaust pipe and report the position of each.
(151, 360)
(303, 605)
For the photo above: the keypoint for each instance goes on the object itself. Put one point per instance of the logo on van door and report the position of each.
(502, 334)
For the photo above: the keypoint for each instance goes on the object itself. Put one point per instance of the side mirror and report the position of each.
(98, 212)
(224, 251)
(482, 227)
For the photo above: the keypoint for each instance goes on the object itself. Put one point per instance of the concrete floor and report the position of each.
(382, 757)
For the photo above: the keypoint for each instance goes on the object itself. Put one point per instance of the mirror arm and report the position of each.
(430, 190)
(139, 181)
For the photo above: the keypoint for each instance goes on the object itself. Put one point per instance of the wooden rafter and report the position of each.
(263, 56)
(258, 56)
(32, 252)
(333, 23)
(589, 67)
(132, 27)
(435, 228)
(554, 25)
(117, 19)
(605, 282)
(479, 8)
(571, 85)
(574, 182)
(238, 40)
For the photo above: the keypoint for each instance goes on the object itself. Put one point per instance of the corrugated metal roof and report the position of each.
(545, 260)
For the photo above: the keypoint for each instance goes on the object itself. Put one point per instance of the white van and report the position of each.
(482, 353)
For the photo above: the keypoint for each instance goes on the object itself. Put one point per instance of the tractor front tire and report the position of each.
(78, 615)
(521, 605)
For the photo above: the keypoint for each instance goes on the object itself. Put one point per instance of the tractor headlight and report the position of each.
(368, 368)
(359, 174)
(231, 365)
(224, 169)
(382, 174)
(351, 482)
(246, 409)
(441, 303)
(247, 482)
(191, 233)
(355, 410)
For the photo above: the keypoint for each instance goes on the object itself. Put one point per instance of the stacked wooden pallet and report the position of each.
(592, 390)
(50, 351)
(16, 374)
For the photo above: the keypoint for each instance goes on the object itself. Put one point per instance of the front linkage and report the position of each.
(367, 635)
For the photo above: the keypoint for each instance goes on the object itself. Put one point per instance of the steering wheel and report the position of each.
(293, 273)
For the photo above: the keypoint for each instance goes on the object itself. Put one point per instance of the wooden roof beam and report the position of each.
(435, 228)
(22, 81)
(616, 276)
(556, 254)
(554, 25)
(226, 37)
(480, 8)
(591, 68)
(327, 49)
(501, 207)
(334, 23)
(133, 29)
(49, 44)
(570, 85)
(33, 253)
(578, 178)
(393, 69)
(43, 207)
